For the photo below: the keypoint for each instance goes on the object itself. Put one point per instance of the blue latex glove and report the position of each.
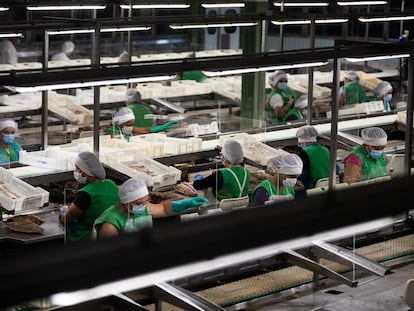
(198, 177)
(164, 127)
(61, 212)
(182, 205)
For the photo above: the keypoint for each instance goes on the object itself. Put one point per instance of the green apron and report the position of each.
(286, 94)
(371, 168)
(236, 181)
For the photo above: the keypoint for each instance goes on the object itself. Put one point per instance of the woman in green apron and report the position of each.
(9, 148)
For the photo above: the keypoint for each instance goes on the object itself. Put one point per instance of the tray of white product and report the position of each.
(18, 196)
(148, 148)
(136, 164)
(171, 145)
(67, 107)
(252, 149)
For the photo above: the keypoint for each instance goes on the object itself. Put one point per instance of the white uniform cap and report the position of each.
(133, 95)
(307, 133)
(382, 88)
(287, 164)
(123, 115)
(132, 190)
(7, 123)
(232, 151)
(352, 75)
(374, 136)
(275, 77)
(90, 165)
(68, 47)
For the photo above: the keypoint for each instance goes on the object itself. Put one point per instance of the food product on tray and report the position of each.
(26, 218)
(25, 227)
(158, 197)
(186, 188)
(7, 191)
(142, 169)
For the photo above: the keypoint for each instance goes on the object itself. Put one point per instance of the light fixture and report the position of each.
(157, 6)
(65, 7)
(2, 8)
(223, 5)
(355, 3)
(211, 25)
(49, 87)
(331, 20)
(69, 31)
(385, 19)
(301, 4)
(361, 59)
(307, 21)
(260, 69)
(116, 29)
(11, 35)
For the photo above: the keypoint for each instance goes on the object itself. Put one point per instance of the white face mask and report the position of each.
(79, 178)
(290, 182)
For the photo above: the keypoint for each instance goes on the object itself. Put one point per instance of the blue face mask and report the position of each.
(138, 209)
(8, 138)
(282, 85)
(375, 154)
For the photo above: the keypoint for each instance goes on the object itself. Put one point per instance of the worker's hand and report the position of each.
(182, 205)
(198, 177)
(291, 101)
(61, 212)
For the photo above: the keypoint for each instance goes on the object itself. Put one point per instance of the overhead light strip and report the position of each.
(260, 69)
(222, 5)
(301, 4)
(11, 35)
(65, 7)
(2, 9)
(362, 59)
(195, 26)
(359, 3)
(50, 87)
(156, 6)
(116, 29)
(385, 19)
(317, 21)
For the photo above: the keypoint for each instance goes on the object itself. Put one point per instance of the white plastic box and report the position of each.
(155, 174)
(51, 157)
(171, 145)
(18, 196)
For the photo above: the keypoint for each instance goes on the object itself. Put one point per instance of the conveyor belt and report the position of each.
(275, 281)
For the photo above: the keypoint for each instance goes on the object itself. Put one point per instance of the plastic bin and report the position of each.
(136, 164)
(17, 196)
(51, 157)
(171, 145)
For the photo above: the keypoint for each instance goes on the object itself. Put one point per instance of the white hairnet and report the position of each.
(232, 151)
(275, 77)
(133, 95)
(90, 165)
(124, 57)
(352, 75)
(382, 88)
(123, 115)
(307, 133)
(132, 190)
(8, 123)
(68, 47)
(287, 164)
(374, 136)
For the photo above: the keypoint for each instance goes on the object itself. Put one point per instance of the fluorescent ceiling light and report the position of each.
(70, 31)
(385, 19)
(4, 8)
(49, 87)
(301, 4)
(223, 5)
(65, 7)
(317, 21)
(361, 59)
(349, 3)
(11, 35)
(126, 29)
(156, 6)
(259, 69)
(194, 26)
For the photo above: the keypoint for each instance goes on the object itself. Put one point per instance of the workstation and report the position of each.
(58, 123)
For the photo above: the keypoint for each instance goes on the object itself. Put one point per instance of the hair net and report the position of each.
(275, 77)
(7, 123)
(232, 151)
(123, 115)
(382, 88)
(374, 136)
(133, 95)
(132, 190)
(123, 57)
(352, 75)
(90, 165)
(307, 133)
(68, 47)
(287, 164)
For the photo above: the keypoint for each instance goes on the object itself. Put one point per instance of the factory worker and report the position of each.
(9, 148)
(383, 91)
(8, 53)
(367, 161)
(67, 49)
(233, 180)
(91, 200)
(122, 124)
(280, 103)
(352, 92)
(318, 155)
(135, 211)
(284, 170)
